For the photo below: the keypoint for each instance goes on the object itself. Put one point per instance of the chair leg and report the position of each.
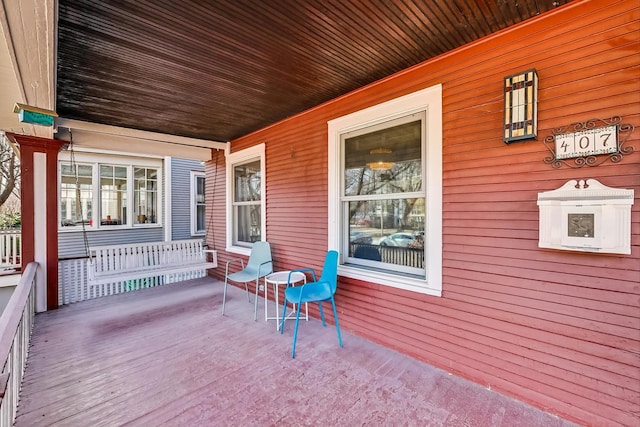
(255, 308)
(295, 332)
(246, 288)
(335, 317)
(321, 313)
(284, 314)
(224, 295)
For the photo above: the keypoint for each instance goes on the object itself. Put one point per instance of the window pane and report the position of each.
(199, 189)
(106, 171)
(384, 161)
(390, 231)
(145, 195)
(75, 194)
(247, 220)
(113, 195)
(247, 182)
(66, 169)
(139, 173)
(120, 172)
(200, 218)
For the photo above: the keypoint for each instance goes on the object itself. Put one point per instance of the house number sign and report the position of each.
(591, 142)
(583, 142)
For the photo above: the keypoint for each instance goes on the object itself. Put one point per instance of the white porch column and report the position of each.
(40, 227)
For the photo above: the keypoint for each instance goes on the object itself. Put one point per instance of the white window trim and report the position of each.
(194, 210)
(167, 211)
(257, 151)
(96, 160)
(430, 101)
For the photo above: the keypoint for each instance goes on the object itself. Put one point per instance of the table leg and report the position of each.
(266, 294)
(275, 290)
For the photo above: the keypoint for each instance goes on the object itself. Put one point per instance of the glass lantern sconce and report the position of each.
(521, 106)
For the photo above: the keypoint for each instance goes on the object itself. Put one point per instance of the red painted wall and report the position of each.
(559, 330)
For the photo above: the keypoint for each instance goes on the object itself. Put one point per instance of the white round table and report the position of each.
(280, 278)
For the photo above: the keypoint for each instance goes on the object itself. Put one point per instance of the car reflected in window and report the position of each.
(401, 240)
(360, 237)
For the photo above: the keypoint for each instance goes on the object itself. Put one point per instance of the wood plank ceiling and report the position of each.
(220, 69)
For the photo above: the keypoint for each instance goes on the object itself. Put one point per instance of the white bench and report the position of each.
(118, 263)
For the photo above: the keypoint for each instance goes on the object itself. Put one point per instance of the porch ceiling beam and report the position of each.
(131, 145)
(134, 141)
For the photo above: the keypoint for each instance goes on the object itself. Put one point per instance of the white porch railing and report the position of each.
(16, 324)
(10, 249)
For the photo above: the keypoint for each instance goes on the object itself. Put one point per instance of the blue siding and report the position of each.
(180, 197)
(71, 244)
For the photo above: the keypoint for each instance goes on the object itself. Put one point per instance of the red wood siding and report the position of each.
(557, 329)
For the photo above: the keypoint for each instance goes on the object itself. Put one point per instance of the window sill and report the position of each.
(239, 250)
(408, 283)
(78, 229)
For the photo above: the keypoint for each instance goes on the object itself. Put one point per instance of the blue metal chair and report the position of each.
(259, 265)
(318, 290)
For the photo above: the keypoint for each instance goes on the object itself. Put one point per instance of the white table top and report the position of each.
(281, 277)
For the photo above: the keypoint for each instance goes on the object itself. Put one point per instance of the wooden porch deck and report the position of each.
(165, 356)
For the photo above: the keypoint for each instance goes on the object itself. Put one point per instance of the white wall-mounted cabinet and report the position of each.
(586, 216)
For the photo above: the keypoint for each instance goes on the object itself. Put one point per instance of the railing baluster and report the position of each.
(10, 249)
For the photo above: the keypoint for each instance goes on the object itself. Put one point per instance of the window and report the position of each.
(145, 195)
(197, 203)
(383, 198)
(113, 195)
(110, 188)
(385, 192)
(76, 194)
(246, 196)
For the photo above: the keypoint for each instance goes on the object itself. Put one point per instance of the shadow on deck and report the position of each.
(166, 356)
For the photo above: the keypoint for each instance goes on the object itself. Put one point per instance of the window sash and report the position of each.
(76, 200)
(247, 203)
(385, 158)
(247, 181)
(145, 195)
(248, 227)
(113, 195)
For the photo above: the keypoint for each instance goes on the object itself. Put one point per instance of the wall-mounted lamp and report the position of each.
(381, 159)
(521, 106)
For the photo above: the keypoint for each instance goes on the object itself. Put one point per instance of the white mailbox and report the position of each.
(588, 217)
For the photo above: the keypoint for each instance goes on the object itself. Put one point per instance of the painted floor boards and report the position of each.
(167, 357)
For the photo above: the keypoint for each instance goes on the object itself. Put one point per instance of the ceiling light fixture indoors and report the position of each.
(381, 159)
